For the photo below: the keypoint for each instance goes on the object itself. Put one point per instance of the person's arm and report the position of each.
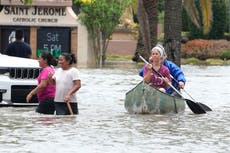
(176, 72)
(167, 77)
(147, 73)
(179, 76)
(36, 90)
(76, 87)
(181, 84)
(51, 79)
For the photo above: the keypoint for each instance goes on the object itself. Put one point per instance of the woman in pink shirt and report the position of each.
(45, 91)
(152, 77)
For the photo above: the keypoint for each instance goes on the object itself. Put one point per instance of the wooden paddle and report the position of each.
(205, 107)
(194, 106)
(69, 107)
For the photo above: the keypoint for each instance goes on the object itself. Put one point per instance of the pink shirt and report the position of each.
(49, 90)
(156, 80)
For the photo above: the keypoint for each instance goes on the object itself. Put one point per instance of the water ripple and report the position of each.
(103, 124)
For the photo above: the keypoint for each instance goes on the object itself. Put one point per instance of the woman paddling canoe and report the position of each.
(177, 75)
(151, 77)
(152, 99)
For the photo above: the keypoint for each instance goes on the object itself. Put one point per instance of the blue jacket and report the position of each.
(175, 71)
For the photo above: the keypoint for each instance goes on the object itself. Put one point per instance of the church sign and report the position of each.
(38, 2)
(54, 40)
(38, 16)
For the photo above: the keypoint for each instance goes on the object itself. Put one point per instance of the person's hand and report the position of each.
(166, 80)
(149, 67)
(150, 59)
(28, 97)
(50, 78)
(181, 84)
(50, 75)
(67, 97)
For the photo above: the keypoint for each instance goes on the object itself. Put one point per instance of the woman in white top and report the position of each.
(67, 82)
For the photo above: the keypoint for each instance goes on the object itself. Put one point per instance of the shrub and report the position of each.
(225, 55)
(192, 60)
(204, 49)
(227, 36)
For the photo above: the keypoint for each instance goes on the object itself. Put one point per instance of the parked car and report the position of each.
(17, 79)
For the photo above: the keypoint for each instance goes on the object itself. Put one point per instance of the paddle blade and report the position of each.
(205, 107)
(195, 107)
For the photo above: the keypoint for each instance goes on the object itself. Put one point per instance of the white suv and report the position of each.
(17, 79)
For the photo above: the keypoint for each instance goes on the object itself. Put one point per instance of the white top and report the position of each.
(64, 83)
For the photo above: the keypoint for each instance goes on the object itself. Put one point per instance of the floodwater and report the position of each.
(104, 126)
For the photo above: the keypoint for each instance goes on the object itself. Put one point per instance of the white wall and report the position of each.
(85, 54)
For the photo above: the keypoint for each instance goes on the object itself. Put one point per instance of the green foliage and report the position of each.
(227, 36)
(192, 60)
(160, 6)
(227, 27)
(102, 15)
(101, 18)
(219, 19)
(185, 21)
(195, 32)
(225, 55)
(118, 57)
(213, 61)
(218, 25)
(28, 1)
(76, 7)
(160, 17)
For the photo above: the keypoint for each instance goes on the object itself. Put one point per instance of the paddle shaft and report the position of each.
(69, 107)
(205, 107)
(182, 88)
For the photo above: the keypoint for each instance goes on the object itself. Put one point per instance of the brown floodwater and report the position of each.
(104, 126)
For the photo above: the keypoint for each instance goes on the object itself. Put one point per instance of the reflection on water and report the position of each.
(103, 124)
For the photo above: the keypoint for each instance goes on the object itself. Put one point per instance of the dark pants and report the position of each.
(62, 109)
(46, 106)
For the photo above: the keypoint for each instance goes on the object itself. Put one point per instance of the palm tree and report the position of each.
(147, 18)
(173, 23)
(206, 10)
(172, 29)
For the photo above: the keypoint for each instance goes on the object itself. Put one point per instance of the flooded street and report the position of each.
(104, 126)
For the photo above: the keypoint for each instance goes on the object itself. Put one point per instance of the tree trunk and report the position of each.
(151, 10)
(147, 17)
(172, 29)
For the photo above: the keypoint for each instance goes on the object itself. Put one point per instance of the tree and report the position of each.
(206, 10)
(101, 18)
(172, 29)
(147, 17)
(173, 23)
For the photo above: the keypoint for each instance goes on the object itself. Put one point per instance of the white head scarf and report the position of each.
(164, 53)
(159, 49)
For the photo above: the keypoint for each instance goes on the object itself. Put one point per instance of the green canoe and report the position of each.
(145, 99)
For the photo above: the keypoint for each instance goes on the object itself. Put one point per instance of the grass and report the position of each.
(211, 61)
(191, 61)
(118, 57)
